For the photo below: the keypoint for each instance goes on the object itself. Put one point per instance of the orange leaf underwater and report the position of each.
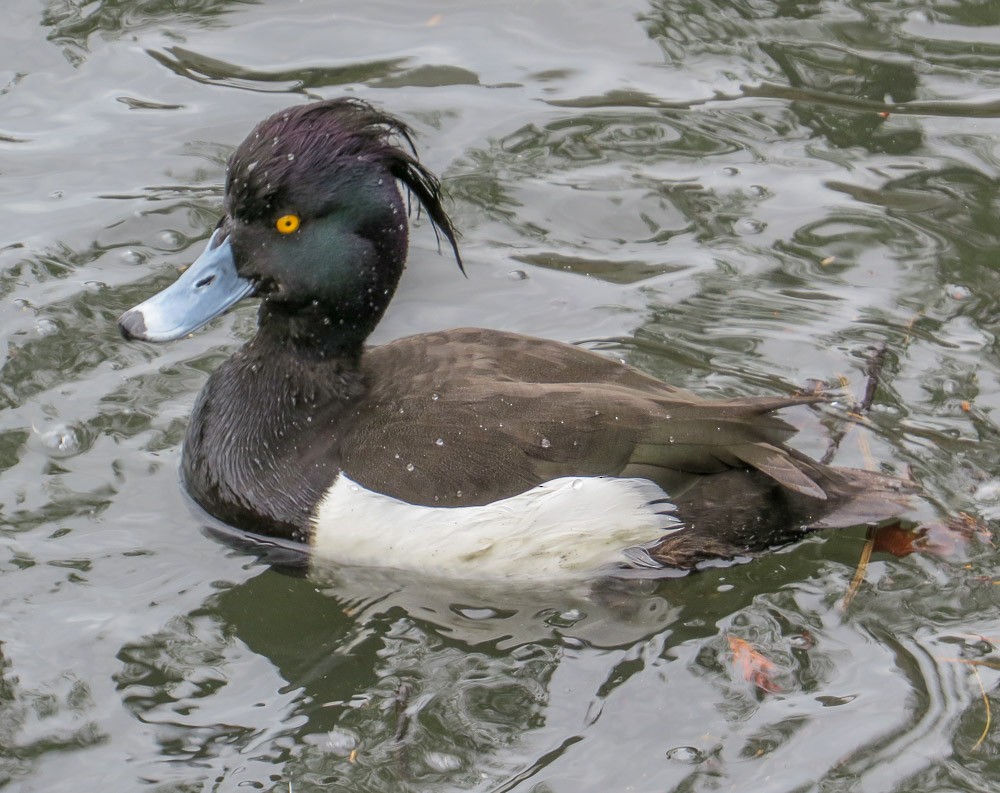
(754, 667)
(940, 539)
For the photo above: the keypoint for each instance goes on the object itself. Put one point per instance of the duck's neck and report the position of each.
(261, 429)
(314, 332)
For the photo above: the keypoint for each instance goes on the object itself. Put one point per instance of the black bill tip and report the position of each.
(132, 325)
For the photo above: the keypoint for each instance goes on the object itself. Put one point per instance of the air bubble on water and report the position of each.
(685, 754)
(410, 467)
(171, 239)
(60, 440)
(341, 742)
(46, 327)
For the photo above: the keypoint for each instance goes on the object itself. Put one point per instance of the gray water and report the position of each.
(710, 191)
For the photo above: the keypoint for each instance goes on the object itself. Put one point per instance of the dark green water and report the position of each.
(704, 189)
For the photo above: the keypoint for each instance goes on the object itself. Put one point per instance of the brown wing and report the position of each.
(470, 416)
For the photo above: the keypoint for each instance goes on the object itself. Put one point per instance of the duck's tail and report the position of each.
(744, 512)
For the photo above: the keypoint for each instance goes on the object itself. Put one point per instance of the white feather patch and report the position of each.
(568, 527)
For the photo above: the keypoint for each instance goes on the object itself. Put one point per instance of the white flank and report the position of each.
(566, 528)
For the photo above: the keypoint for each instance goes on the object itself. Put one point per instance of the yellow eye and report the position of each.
(286, 224)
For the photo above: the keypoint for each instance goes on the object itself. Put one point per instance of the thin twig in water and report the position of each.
(861, 570)
(402, 720)
(876, 363)
(866, 453)
(986, 703)
(973, 662)
(873, 372)
(976, 662)
(839, 436)
(402, 725)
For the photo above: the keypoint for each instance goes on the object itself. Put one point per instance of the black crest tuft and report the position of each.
(302, 147)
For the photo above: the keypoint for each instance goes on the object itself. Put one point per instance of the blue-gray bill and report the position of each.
(208, 288)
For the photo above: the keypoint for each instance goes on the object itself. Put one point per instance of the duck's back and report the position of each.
(498, 356)
(471, 416)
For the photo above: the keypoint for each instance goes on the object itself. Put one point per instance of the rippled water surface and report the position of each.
(739, 197)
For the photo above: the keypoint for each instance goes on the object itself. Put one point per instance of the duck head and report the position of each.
(314, 224)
